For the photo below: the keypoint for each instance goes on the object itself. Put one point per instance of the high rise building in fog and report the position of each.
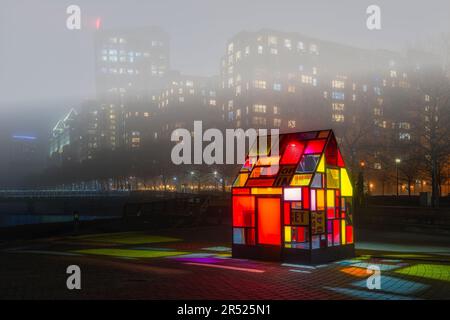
(131, 62)
(132, 67)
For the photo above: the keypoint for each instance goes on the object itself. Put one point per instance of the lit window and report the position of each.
(337, 117)
(259, 84)
(338, 95)
(291, 124)
(259, 108)
(288, 44)
(277, 86)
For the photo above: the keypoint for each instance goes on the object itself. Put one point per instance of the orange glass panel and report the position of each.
(240, 180)
(264, 171)
(269, 229)
(243, 211)
(268, 161)
(320, 199)
(267, 191)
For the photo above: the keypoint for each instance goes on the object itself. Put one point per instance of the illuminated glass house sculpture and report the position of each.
(296, 206)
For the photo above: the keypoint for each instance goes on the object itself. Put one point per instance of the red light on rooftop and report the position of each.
(98, 23)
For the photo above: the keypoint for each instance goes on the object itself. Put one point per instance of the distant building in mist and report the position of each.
(184, 100)
(132, 67)
(131, 62)
(65, 140)
(25, 158)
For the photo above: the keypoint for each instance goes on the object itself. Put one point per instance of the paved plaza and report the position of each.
(196, 264)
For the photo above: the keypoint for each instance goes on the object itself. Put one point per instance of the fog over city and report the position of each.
(46, 69)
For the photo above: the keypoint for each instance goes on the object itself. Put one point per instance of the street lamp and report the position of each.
(397, 162)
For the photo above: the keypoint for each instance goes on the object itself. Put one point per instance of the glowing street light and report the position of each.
(397, 162)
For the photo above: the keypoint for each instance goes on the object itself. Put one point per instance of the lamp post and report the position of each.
(397, 162)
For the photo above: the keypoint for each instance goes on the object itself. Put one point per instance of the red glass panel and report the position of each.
(269, 229)
(260, 182)
(315, 146)
(336, 231)
(340, 161)
(331, 152)
(349, 234)
(243, 211)
(330, 213)
(292, 153)
(287, 213)
(305, 197)
(241, 191)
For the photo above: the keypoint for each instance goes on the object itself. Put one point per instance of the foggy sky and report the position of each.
(42, 61)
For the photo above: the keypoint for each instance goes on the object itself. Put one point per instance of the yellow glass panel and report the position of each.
(346, 185)
(240, 180)
(301, 180)
(320, 199)
(268, 161)
(342, 231)
(287, 234)
(321, 166)
(330, 198)
(267, 190)
(333, 178)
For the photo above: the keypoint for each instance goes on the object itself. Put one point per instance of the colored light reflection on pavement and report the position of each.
(130, 253)
(126, 238)
(224, 267)
(429, 271)
(173, 267)
(395, 285)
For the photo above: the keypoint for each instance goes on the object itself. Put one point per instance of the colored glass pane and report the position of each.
(243, 211)
(268, 161)
(346, 185)
(248, 165)
(305, 198)
(264, 171)
(320, 199)
(287, 213)
(343, 231)
(241, 191)
(315, 146)
(336, 232)
(340, 160)
(308, 163)
(321, 166)
(260, 182)
(301, 180)
(240, 180)
(293, 194)
(244, 236)
(349, 234)
(317, 181)
(331, 152)
(292, 153)
(333, 178)
(323, 134)
(269, 230)
(313, 200)
(267, 191)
